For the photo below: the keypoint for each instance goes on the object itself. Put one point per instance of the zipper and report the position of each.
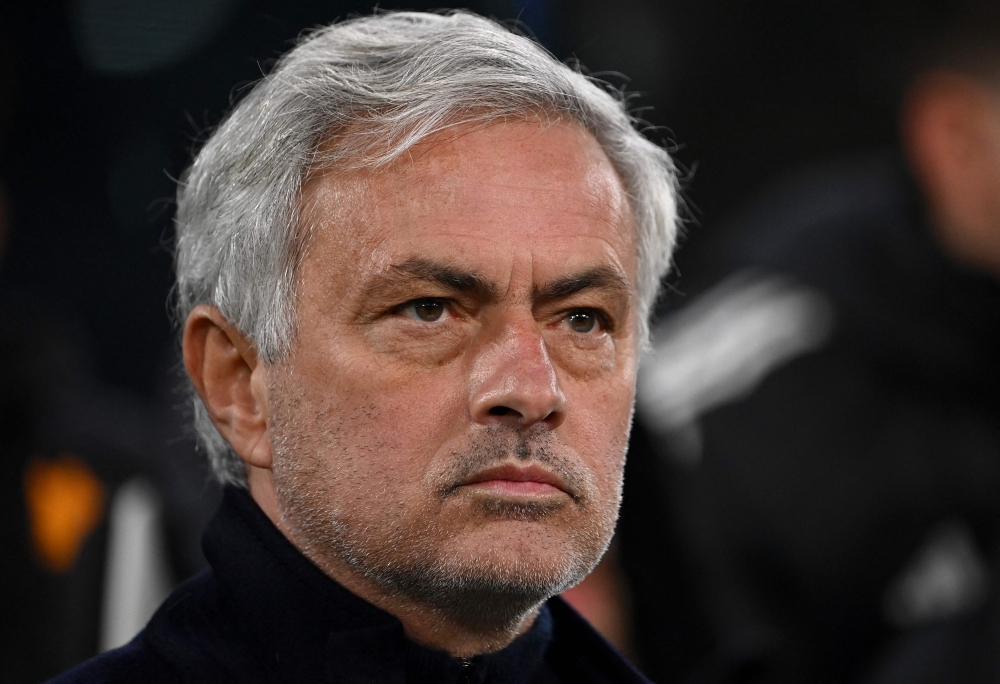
(467, 669)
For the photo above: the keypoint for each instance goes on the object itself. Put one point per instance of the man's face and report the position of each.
(452, 420)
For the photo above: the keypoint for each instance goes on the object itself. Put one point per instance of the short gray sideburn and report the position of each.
(387, 82)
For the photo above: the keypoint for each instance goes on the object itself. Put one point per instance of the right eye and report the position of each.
(428, 310)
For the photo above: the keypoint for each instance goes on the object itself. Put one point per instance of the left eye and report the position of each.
(583, 321)
(427, 310)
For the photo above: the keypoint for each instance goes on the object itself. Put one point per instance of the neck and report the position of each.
(428, 625)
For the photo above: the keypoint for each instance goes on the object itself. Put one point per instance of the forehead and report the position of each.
(485, 195)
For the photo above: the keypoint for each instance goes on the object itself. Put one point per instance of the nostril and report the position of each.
(503, 411)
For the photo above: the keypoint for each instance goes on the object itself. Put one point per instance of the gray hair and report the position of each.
(382, 84)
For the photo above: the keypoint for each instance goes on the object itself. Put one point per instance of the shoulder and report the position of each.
(578, 653)
(187, 640)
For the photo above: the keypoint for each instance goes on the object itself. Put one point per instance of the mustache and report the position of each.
(500, 444)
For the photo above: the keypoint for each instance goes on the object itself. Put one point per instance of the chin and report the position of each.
(526, 553)
(492, 586)
(492, 574)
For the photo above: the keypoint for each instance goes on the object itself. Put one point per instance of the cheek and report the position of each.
(392, 420)
(597, 425)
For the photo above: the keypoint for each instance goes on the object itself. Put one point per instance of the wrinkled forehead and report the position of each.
(532, 182)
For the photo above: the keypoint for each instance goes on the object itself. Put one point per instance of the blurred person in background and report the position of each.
(828, 412)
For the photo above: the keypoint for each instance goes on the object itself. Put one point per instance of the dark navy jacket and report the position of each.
(264, 613)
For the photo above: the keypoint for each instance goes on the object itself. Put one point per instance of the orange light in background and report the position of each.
(65, 503)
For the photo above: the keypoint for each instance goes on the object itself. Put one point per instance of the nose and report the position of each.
(515, 381)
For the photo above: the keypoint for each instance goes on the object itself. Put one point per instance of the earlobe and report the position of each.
(231, 381)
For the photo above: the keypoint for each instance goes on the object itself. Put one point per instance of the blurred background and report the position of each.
(813, 487)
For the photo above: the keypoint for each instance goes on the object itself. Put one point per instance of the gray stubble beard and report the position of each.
(413, 561)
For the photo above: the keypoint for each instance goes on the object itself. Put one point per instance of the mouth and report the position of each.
(509, 480)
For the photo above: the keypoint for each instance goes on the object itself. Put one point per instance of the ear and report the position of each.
(231, 381)
(951, 132)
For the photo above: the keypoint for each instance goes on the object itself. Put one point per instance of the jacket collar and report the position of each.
(306, 627)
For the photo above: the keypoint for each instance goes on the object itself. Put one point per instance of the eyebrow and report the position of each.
(445, 275)
(597, 278)
(470, 282)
